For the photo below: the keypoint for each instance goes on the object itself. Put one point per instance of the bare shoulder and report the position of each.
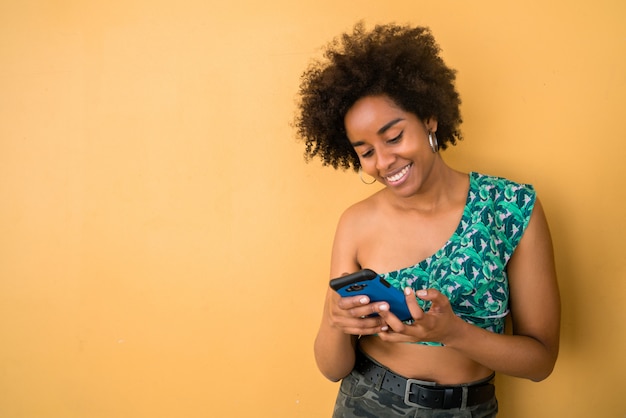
(536, 241)
(534, 256)
(353, 227)
(360, 213)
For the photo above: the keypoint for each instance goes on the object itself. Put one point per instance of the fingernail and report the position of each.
(383, 307)
(422, 293)
(363, 300)
(384, 328)
(407, 291)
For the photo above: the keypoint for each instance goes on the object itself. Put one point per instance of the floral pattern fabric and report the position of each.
(470, 269)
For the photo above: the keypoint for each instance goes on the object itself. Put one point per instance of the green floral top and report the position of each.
(470, 269)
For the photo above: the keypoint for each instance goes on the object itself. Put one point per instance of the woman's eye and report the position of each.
(368, 153)
(397, 138)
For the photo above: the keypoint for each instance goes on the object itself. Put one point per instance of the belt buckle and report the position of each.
(447, 396)
(407, 393)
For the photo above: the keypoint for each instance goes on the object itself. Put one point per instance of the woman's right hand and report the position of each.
(353, 315)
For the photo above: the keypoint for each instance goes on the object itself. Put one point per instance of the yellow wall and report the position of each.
(164, 249)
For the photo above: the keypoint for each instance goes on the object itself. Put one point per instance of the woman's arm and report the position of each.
(341, 319)
(534, 300)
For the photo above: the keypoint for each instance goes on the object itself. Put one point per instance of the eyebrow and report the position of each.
(381, 131)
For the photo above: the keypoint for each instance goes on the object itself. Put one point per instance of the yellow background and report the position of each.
(164, 248)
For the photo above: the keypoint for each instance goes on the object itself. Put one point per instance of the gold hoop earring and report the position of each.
(361, 177)
(432, 140)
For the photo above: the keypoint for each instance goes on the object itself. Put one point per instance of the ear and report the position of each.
(431, 124)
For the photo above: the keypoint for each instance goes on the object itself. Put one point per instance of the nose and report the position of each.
(384, 159)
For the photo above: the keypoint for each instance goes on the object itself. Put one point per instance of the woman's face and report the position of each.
(392, 144)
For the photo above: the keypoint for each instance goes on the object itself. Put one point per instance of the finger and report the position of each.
(367, 326)
(438, 301)
(394, 337)
(430, 294)
(373, 323)
(411, 302)
(394, 323)
(365, 311)
(353, 302)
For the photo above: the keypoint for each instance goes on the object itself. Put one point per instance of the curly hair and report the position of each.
(400, 62)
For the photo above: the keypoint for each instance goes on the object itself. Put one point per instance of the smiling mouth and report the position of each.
(398, 176)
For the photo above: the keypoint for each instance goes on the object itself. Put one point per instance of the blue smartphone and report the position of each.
(368, 282)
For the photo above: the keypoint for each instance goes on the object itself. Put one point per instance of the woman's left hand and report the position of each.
(437, 324)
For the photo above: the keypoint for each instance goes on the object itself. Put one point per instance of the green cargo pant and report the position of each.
(359, 398)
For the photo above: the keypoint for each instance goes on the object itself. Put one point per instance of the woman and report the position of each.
(467, 249)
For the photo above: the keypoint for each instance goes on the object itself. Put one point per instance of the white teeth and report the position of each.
(398, 176)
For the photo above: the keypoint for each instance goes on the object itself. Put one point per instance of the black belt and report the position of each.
(418, 393)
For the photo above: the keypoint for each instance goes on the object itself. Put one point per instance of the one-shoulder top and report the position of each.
(470, 269)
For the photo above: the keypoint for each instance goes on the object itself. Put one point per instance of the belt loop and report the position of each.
(464, 398)
(381, 379)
